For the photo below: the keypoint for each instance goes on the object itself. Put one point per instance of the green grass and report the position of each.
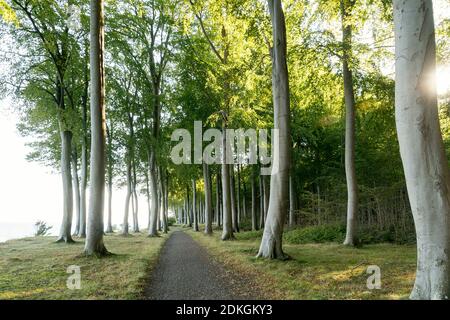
(318, 271)
(35, 268)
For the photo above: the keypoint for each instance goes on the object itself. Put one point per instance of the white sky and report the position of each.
(29, 192)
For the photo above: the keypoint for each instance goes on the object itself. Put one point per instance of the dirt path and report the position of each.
(185, 271)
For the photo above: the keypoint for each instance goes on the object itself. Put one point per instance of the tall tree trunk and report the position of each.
(160, 206)
(421, 145)
(266, 190)
(135, 201)
(84, 148)
(188, 209)
(125, 225)
(94, 236)
(194, 205)
(148, 198)
(271, 244)
(227, 233)
(109, 228)
(65, 234)
(154, 208)
(234, 212)
(164, 195)
(239, 211)
(217, 211)
(350, 171)
(76, 188)
(244, 201)
(208, 199)
(254, 213)
(261, 203)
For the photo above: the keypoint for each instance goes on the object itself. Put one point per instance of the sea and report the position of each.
(16, 230)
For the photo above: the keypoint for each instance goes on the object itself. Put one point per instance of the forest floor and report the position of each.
(36, 268)
(318, 271)
(185, 271)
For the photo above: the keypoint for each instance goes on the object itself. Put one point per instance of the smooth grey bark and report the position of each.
(239, 210)
(94, 235)
(271, 244)
(154, 208)
(244, 201)
(160, 206)
(254, 214)
(109, 132)
(291, 201)
(208, 199)
(147, 192)
(135, 200)
(421, 145)
(261, 203)
(266, 190)
(194, 205)
(125, 224)
(164, 200)
(350, 170)
(76, 189)
(217, 210)
(188, 208)
(227, 232)
(84, 148)
(234, 212)
(65, 234)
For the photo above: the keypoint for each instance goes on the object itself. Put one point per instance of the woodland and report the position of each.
(350, 86)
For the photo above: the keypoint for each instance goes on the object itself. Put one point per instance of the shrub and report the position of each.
(171, 221)
(41, 228)
(315, 234)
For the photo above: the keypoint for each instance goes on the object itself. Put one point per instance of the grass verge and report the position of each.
(36, 268)
(318, 271)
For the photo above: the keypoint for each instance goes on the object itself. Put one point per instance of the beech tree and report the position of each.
(271, 244)
(421, 145)
(95, 229)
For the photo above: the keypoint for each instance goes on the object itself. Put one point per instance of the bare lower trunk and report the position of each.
(164, 196)
(254, 214)
(208, 199)
(194, 205)
(135, 201)
(218, 204)
(95, 229)
(76, 189)
(65, 234)
(109, 228)
(239, 211)
(266, 189)
(350, 171)
(271, 244)
(421, 146)
(227, 233)
(84, 148)
(125, 225)
(261, 203)
(83, 186)
(234, 213)
(154, 208)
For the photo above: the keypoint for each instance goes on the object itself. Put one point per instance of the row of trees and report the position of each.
(170, 63)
